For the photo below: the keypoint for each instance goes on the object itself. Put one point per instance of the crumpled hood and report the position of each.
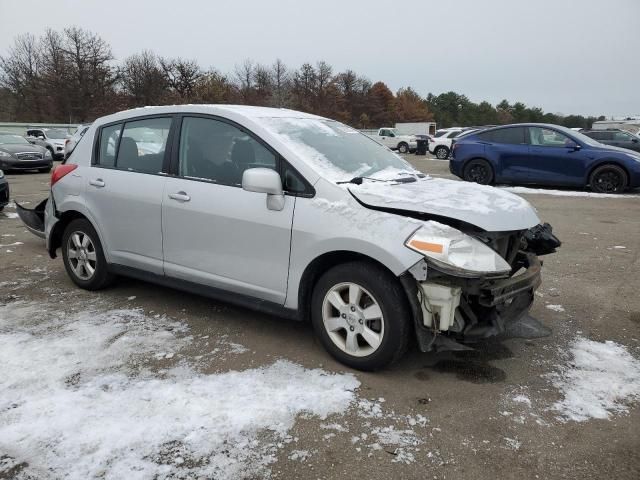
(488, 208)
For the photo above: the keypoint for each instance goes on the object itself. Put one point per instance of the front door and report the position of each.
(214, 232)
(554, 158)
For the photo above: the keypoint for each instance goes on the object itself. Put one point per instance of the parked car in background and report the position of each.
(440, 143)
(70, 143)
(16, 153)
(210, 209)
(50, 138)
(395, 141)
(545, 155)
(4, 191)
(616, 138)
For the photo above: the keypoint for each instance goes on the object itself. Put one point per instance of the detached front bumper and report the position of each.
(452, 312)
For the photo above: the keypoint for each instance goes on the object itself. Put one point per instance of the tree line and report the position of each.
(71, 76)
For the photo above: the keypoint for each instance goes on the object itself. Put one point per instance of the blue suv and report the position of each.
(542, 154)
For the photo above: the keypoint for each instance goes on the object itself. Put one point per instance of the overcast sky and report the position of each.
(564, 56)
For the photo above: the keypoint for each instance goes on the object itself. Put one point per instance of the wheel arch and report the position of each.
(477, 157)
(65, 218)
(321, 264)
(604, 162)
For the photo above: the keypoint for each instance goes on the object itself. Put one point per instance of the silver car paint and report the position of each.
(251, 258)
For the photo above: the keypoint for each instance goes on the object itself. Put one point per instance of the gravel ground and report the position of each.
(489, 413)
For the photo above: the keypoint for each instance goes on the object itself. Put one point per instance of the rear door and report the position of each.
(509, 150)
(553, 160)
(124, 190)
(214, 232)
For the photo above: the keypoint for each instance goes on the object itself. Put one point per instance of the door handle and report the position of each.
(98, 182)
(180, 196)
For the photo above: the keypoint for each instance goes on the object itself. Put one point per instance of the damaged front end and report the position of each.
(453, 310)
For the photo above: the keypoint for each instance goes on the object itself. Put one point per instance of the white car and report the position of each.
(440, 143)
(50, 138)
(389, 137)
(377, 255)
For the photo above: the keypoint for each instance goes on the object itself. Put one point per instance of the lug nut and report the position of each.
(360, 321)
(344, 315)
(351, 328)
(353, 309)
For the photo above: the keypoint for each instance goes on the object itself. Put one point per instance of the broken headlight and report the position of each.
(454, 252)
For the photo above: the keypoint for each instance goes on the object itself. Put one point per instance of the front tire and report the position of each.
(608, 179)
(478, 171)
(441, 152)
(403, 147)
(83, 256)
(360, 314)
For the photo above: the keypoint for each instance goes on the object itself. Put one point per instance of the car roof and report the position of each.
(245, 111)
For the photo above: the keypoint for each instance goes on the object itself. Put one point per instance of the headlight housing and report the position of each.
(1, 174)
(4, 154)
(454, 252)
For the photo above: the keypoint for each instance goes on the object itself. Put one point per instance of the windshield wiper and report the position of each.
(358, 180)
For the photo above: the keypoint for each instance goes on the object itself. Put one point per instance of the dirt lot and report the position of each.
(484, 414)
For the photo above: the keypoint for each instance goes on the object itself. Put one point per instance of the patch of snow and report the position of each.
(90, 404)
(334, 426)
(555, 308)
(513, 443)
(14, 244)
(565, 193)
(522, 399)
(299, 455)
(599, 380)
(10, 214)
(132, 297)
(619, 247)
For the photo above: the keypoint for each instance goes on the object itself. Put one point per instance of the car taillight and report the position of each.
(60, 171)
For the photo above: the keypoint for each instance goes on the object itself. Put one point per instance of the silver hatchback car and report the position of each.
(296, 215)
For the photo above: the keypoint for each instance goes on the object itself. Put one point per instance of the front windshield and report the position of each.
(56, 134)
(338, 152)
(9, 139)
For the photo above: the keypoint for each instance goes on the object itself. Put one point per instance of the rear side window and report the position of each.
(143, 145)
(440, 133)
(109, 144)
(514, 136)
(454, 134)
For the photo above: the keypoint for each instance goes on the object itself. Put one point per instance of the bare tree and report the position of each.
(20, 74)
(263, 85)
(91, 75)
(244, 76)
(142, 79)
(182, 76)
(281, 83)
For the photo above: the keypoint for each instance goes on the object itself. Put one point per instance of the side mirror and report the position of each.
(572, 146)
(265, 180)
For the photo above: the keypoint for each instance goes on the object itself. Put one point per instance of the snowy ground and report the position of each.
(142, 382)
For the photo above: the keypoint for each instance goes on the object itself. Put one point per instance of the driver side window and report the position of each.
(545, 137)
(218, 151)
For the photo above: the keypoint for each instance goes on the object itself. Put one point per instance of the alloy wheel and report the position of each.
(81, 253)
(353, 319)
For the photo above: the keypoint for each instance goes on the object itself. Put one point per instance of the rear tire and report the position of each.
(479, 171)
(441, 152)
(83, 256)
(368, 330)
(608, 179)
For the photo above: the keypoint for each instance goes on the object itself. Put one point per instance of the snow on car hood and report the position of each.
(485, 207)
